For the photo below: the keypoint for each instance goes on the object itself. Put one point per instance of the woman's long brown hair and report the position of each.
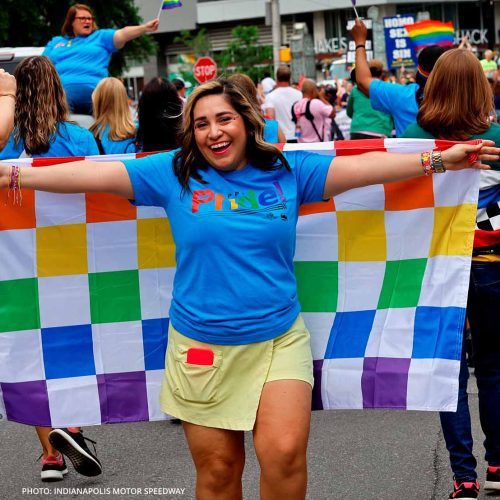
(458, 99)
(189, 160)
(40, 104)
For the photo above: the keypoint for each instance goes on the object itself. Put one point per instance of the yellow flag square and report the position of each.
(155, 243)
(456, 239)
(361, 235)
(61, 250)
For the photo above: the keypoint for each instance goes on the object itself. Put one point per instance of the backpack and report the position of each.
(309, 116)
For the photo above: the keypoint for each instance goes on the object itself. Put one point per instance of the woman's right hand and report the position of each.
(459, 156)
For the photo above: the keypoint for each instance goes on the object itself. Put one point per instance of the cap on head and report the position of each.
(428, 57)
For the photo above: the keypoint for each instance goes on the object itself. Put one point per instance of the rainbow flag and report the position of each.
(431, 32)
(382, 277)
(170, 4)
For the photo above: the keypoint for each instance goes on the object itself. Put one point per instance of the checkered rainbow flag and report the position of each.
(86, 280)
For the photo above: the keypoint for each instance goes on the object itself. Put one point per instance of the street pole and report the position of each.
(276, 30)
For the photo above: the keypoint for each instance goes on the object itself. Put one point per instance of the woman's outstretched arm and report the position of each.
(124, 35)
(348, 172)
(74, 177)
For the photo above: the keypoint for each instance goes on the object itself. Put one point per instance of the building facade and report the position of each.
(324, 22)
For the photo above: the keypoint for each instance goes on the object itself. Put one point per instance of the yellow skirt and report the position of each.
(220, 385)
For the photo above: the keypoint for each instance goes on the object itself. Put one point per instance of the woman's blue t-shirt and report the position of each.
(70, 140)
(235, 242)
(82, 59)
(116, 147)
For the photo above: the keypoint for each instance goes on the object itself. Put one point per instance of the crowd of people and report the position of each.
(220, 140)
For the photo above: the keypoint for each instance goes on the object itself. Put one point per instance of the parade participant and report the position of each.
(460, 112)
(399, 101)
(238, 355)
(81, 55)
(272, 131)
(7, 106)
(279, 102)
(41, 122)
(312, 114)
(41, 129)
(368, 123)
(160, 116)
(489, 65)
(113, 129)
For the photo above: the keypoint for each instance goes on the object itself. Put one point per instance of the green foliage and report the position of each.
(244, 55)
(35, 22)
(198, 43)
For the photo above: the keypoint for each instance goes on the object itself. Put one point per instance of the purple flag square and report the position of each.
(384, 382)
(317, 402)
(27, 402)
(123, 397)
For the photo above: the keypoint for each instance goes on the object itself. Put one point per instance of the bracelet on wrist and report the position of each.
(360, 46)
(437, 165)
(425, 160)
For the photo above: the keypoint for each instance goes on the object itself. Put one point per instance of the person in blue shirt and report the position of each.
(81, 55)
(399, 101)
(40, 94)
(113, 129)
(238, 355)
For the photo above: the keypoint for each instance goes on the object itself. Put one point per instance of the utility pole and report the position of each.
(276, 30)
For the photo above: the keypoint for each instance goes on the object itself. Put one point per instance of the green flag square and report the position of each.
(317, 285)
(19, 308)
(402, 283)
(114, 296)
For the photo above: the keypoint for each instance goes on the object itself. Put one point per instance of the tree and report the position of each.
(35, 22)
(244, 55)
(198, 43)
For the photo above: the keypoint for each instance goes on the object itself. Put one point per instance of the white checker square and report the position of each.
(317, 237)
(156, 292)
(433, 385)
(21, 356)
(391, 335)
(74, 401)
(446, 282)
(53, 209)
(17, 248)
(456, 188)
(64, 300)
(409, 145)
(118, 347)
(365, 198)
(112, 246)
(150, 212)
(341, 383)
(404, 244)
(360, 284)
(319, 326)
(153, 383)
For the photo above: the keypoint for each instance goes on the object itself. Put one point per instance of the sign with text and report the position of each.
(204, 69)
(398, 47)
(351, 45)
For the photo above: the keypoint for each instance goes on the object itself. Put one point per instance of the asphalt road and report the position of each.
(353, 455)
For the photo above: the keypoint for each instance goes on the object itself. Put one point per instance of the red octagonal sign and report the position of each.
(204, 69)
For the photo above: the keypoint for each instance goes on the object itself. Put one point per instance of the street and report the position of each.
(353, 455)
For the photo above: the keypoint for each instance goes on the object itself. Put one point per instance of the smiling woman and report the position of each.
(81, 55)
(238, 355)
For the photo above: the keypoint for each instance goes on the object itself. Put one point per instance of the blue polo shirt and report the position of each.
(82, 59)
(396, 100)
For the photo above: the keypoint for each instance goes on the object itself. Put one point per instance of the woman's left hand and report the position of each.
(152, 25)
(459, 156)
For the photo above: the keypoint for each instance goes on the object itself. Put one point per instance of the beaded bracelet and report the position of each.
(425, 160)
(15, 185)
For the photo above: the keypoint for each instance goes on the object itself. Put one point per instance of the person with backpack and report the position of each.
(312, 115)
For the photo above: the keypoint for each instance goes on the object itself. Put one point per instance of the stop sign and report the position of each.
(204, 69)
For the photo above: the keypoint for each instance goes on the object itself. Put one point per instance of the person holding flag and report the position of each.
(81, 55)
